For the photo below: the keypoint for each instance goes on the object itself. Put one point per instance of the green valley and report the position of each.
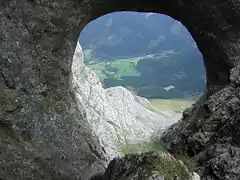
(152, 55)
(116, 68)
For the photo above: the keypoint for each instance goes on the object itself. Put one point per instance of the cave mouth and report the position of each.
(151, 54)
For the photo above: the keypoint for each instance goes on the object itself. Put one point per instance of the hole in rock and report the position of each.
(141, 71)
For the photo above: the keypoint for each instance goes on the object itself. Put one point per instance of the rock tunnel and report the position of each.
(43, 134)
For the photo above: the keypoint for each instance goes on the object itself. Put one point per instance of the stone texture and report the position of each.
(43, 131)
(220, 161)
(210, 133)
(146, 166)
(117, 116)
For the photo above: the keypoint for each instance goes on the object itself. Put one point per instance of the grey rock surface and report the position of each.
(147, 166)
(43, 133)
(210, 133)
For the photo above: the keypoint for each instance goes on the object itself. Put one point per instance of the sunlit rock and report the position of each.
(116, 115)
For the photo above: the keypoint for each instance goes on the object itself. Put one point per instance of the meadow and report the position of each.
(117, 68)
(177, 105)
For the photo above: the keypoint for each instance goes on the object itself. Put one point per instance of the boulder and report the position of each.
(147, 166)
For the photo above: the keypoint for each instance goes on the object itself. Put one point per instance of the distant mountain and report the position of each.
(145, 51)
(127, 34)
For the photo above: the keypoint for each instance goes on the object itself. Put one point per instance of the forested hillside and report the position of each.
(151, 54)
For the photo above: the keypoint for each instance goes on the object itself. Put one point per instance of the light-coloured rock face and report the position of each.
(115, 114)
(137, 118)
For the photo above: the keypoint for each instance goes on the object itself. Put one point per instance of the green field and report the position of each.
(125, 67)
(177, 105)
(152, 76)
(98, 69)
(117, 68)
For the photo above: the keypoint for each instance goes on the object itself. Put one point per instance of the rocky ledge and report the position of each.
(209, 132)
(147, 166)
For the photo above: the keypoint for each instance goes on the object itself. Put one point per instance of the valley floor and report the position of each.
(177, 105)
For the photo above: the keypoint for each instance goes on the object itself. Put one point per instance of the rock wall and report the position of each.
(117, 116)
(146, 166)
(43, 133)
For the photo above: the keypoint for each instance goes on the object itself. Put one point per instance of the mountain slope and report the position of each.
(125, 34)
(146, 51)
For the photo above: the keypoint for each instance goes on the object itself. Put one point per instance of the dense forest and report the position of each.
(151, 54)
